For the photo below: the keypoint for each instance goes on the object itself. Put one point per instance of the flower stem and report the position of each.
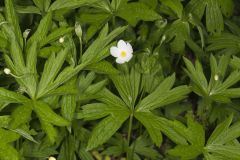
(129, 136)
(130, 129)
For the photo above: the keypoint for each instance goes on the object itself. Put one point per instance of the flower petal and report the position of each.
(120, 60)
(129, 48)
(128, 57)
(114, 51)
(121, 45)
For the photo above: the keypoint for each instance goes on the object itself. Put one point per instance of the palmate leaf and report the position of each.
(179, 33)
(128, 86)
(163, 95)
(116, 112)
(219, 86)
(45, 113)
(66, 4)
(224, 41)
(219, 144)
(136, 11)
(103, 12)
(194, 134)
(106, 128)
(12, 97)
(214, 10)
(155, 125)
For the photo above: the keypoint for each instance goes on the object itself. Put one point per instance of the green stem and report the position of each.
(114, 21)
(80, 42)
(129, 135)
(130, 129)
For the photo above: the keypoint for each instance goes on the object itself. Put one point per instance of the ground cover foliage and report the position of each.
(64, 96)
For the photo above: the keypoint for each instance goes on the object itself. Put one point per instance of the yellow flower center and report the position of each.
(123, 54)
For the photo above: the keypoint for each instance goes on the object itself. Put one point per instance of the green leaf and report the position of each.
(50, 71)
(175, 5)
(223, 41)
(4, 121)
(45, 113)
(152, 126)
(214, 17)
(185, 152)
(7, 152)
(25, 134)
(12, 97)
(12, 18)
(31, 64)
(49, 130)
(197, 76)
(227, 7)
(179, 32)
(110, 99)
(105, 129)
(138, 11)
(69, 103)
(42, 30)
(230, 152)
(220, 131)
(127, 85)
(96, 22)
(194, 134)
(21, 115)
(7, 136)
(99, 110)
(102, 67)
(92, 90)
(43, 5)
(28, 9)
(66, 4)
(155, 125)
(163, 95)
(56, 34)
(100, 44)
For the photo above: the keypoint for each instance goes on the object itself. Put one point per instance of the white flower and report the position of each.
(51, 158)
(7, 71)
(123, 52)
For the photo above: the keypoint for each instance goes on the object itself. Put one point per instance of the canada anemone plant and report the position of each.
(119, 79)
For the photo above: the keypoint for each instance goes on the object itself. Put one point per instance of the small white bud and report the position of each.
(7, 71)
(51, 158)
(216, 77)
(61, 40)
(78, 29)
(26, 33)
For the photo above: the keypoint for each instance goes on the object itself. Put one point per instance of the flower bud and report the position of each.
(78, 29)
(26, 33)
(7, 71)
(61, 40)
(51, 158)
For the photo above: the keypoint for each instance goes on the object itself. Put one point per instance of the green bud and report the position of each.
(78, 29)
(26, 33)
